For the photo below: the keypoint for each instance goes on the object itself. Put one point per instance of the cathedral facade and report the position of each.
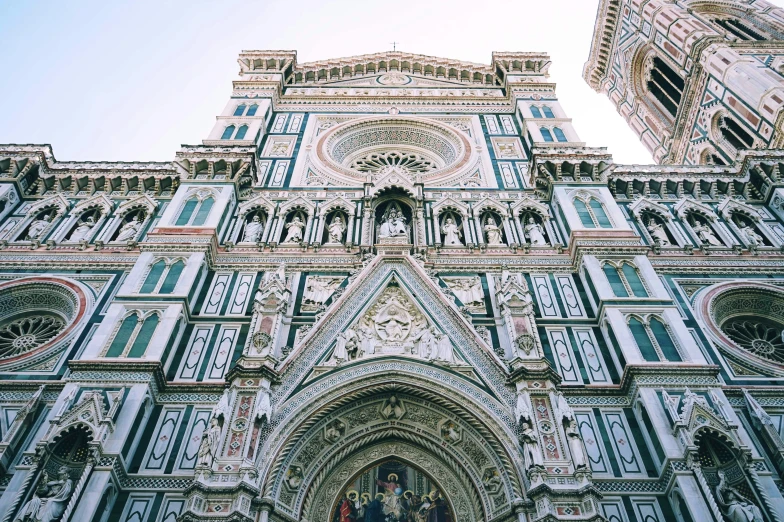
(395, 287)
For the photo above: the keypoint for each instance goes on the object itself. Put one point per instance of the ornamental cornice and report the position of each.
(604, 34)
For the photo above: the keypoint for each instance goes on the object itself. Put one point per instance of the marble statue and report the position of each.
(535, 233)
(346, 346)
(336, 230)
(522, 407)
(705, 234)
(129, 230)
(263, 410)
(734, 505)
(253, 230)
(445, 350)
(392, 408)
(393, 223)
(49, 499)
(451, 232)
(658, 233)
(751, 235)
(575, 444)
(294, 231)
(425, 343)
(37, 227)
(318, 289)
(468, 290)
(493, 232)
(530, 442)
(210, 440)
(83, 230)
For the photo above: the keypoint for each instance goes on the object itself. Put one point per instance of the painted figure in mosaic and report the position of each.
(658, 233)
(129, 230)
(393, 504)
(535, 233)
(493, 232)
(49, 500)
(336, 230)
(253, 230)
(705, 234)
(451, 232)
(37, 227)
(734, 505)
(83, 231)
(294, 231)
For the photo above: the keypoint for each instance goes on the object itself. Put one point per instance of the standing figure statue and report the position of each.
(734, 505)
(49, 500)
(705, 234)
(253, 229)
(751, 235)
(658, 233)
(37, 227)
(210, 440)
(129, 230)
(575, 444)
(294, 231)
(336, 230)
(493, 232)
(451, 232)
(530, 442)
(83, 230)
(535, 233)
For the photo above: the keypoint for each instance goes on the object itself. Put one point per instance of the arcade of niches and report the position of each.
(392, 287)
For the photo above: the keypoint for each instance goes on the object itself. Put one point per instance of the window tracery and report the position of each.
(654, 339)
(624, 279)
(381, 162)
(591, 212)
(133, 334)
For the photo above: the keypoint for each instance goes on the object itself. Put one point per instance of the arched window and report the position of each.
(546, 136)
(625, 281)
(227, 132)
(633, 280)
(195, 212)
(654, 340)
(535, 111)
(665, 85)
(162, 277)
(548, 112)
(133, 336)
(735, 134)
(559, 134)
(616, 283)
(241, 132)
(593, 214)
(252, 110)
(240, 110)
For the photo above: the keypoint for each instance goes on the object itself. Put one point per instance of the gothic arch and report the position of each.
(641, 64)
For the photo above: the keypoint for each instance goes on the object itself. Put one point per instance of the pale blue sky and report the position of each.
(133, 80)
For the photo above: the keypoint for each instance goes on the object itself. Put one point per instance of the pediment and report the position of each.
(394, 79)
(393, 309)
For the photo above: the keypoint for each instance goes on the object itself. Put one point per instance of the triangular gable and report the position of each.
(357, 299)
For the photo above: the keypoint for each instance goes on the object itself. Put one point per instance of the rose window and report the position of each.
(759, 336)
(22, 335)
(380, 162)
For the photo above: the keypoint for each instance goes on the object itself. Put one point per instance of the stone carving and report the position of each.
(294, 477)
(28, 333)
(469, 291)
(210, 440)
(337, 230)
(493, 232)
(253, 230)
(129, 230)
(750, 235)
(535, 233)
(450, 432)
(733, 504)
(294, 230)
(37, 227)
(334, 431)
(492, 480)
(318, 289)
(49, 499)
(575, 442)
(451, 232)
(658, 233)
(530, 441)
(393, 223)
(346, 347)
(705, 233)
(263, 411)
(393, 408)
(83, 230)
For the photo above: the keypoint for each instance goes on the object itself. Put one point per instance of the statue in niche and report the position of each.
(535, 232)
(492, 231)
(575, 444)
(451, 232)
(318, 289)
(468, 290)
(657, 232)
(253, 230)
(49, 499)
(336, 229)
(37, 227)
(705, 233)
(294, 230)
(530, 442)
(210, 440)
(294, 477)
(393, 408)
(393, 222)
(749, 234)
(129, 230)
(734, 505)
(83, 230)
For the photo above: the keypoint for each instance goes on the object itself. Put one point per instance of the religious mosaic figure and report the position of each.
(294, 231)
(734, 505)
(37, 227)
(253, 230)
(129, 230)
(705, 234)
(492, 232)
(535, 233)
(658, 233)
(49, 499)
(451, 232)
(393, 504)
(336, 230)
(83, 230)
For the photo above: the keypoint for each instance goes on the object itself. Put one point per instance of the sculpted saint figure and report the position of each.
(37, 227)
(425, 343)
(294, 231)
(658, 233)
(451, 232)
(734, 505)
(575, 444)
(83, 230)
(392, 408)
(493, 233)
(530, 442)
(535, 232)
(336, 230)
(705, 234)
(210, 440)
(253, 230)
(49, 500)
(129, 230)
(751, 235)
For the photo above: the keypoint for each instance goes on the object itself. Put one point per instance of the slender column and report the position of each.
(511, 237)
(350, 229)
(520, 230)
(320, 229)
(480, 239)
(267, 227)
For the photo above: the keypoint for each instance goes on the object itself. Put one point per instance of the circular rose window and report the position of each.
(36, 316)
(747, 321)
(410, 146)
